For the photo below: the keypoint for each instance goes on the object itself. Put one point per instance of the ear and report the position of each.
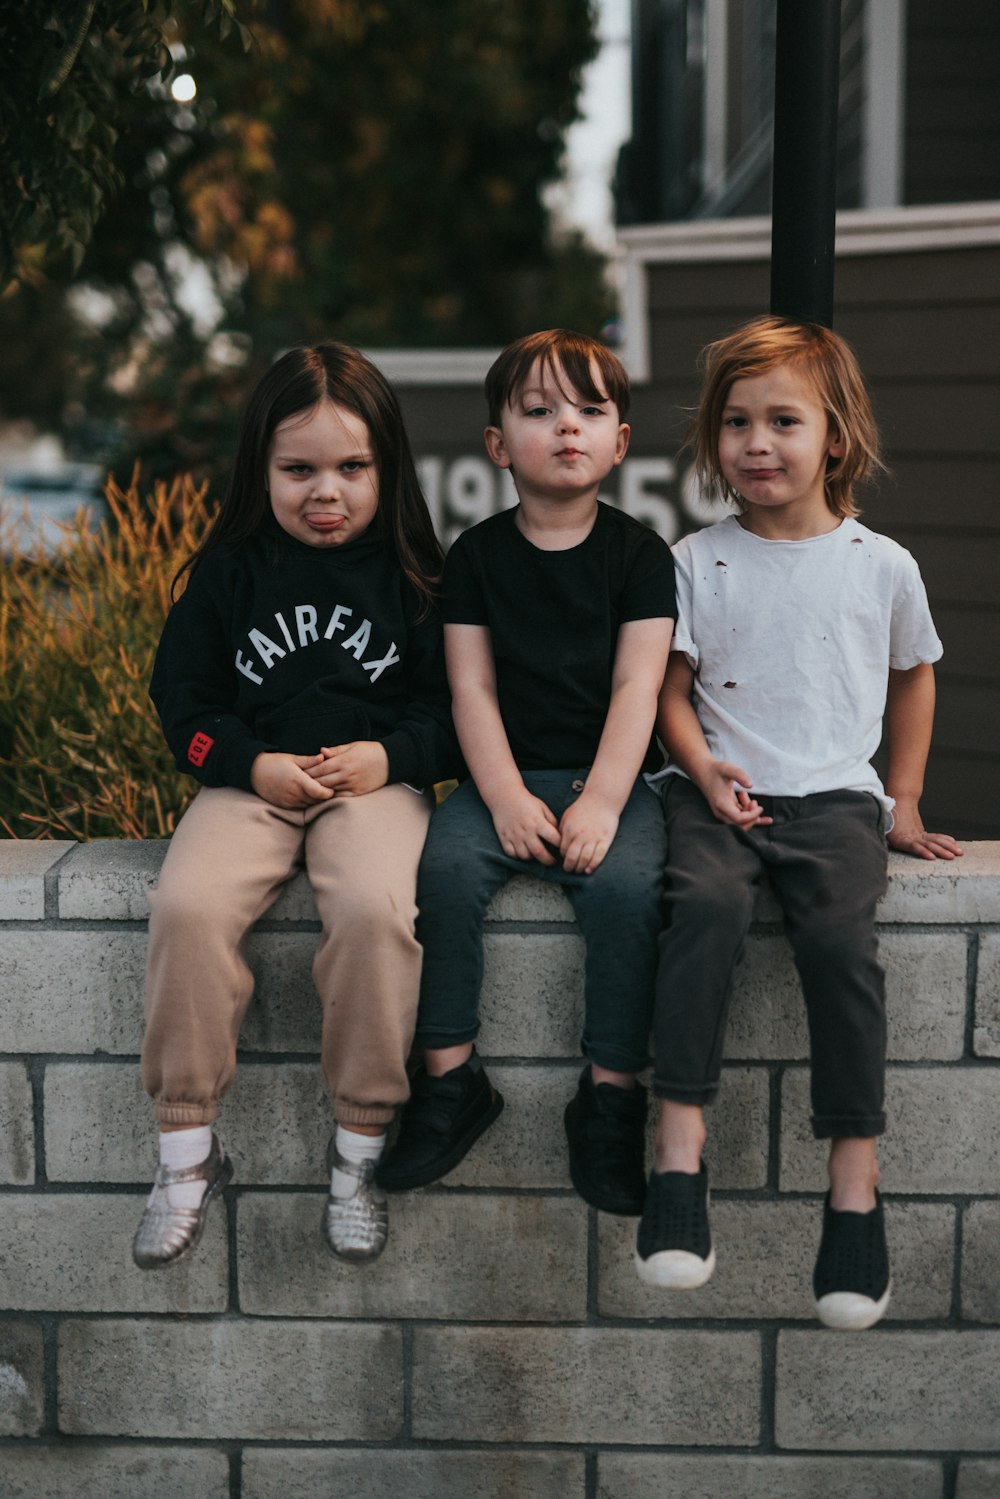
(496, 447)
(621, 447)
(836, 445)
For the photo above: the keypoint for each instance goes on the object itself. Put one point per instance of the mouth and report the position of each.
(570, 453)
(325, 522)
(751, 474)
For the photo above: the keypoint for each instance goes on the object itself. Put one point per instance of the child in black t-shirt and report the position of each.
(558, 617)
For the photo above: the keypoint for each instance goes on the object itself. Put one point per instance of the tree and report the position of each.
(370, 170)
(67, 70)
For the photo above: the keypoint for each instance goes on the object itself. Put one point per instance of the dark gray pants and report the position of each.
(826, 859)
(618, 909)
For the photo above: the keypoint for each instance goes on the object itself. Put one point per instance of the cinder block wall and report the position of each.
(502, 1348)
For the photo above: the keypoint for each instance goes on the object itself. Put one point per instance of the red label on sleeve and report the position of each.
(199, 748)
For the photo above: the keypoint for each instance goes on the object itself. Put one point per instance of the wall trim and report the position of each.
(860, 231)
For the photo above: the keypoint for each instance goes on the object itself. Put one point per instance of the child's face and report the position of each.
(774, 442)
(321, 476)
(558, 443)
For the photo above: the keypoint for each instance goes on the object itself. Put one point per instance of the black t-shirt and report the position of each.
(554, 619)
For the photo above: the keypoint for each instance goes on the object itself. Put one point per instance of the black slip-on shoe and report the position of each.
(851, 1281)
(674, 1244)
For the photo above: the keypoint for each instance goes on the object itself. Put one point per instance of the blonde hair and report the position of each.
(830, 367)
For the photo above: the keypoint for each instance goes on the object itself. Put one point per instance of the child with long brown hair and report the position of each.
(300, 678)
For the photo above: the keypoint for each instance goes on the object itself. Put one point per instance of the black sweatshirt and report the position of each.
(276, 645)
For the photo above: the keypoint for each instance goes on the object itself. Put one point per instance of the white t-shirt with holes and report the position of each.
(791, 643)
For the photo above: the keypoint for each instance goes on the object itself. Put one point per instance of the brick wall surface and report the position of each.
(502, 1347)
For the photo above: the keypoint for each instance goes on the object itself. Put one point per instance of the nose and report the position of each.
(569, 419)
(758, 439)
(325, 486)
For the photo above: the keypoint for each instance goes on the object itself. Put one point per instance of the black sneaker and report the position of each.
(674, 1244)
(441, 1121)
(851, 1282)
(606, 1133)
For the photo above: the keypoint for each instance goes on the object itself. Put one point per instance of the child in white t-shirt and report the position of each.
(797, 628)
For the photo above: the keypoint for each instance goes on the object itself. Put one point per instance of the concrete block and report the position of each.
(300, 1473)
(929, 1391)
(527, 900)
(81, 1258)
(268, 1381)
(284, 1014)
(99, 1126)
(72, 991)
(532, 997)
(980, 1281)
(17, 1130)
(978, 1480)
(962, 890)
(450, 1255)
(766, 1252)
(526, 1147)
(589, 1385)
(75, 1471)
(22, 1379)
(110, 880)
(634, 1475)
(986, 1034)
(933, 1113)
(736, 1153)
(925, 998)
(23, 867)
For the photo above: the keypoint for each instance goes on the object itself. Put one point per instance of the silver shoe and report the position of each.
(167, 1234)
(356, 1227)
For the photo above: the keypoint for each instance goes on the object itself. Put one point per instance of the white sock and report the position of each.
(354, 1148)
(180, 1148)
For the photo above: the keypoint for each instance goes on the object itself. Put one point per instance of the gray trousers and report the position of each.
(826, 859)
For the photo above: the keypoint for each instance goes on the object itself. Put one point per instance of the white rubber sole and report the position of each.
(675, 1269)
(846, 1311)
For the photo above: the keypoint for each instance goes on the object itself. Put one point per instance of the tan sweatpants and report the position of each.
(227, 861)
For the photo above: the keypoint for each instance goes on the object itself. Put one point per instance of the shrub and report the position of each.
(81, 751)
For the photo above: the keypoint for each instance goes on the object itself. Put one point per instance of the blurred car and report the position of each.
(36, 505)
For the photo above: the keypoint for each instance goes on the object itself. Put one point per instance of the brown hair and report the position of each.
(558, 350)
(830, 366)
(296, 382)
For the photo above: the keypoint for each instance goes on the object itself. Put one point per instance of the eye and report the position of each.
(786, 421)
(354, 466)
(295, 468)
(734, 421)
(592, 410)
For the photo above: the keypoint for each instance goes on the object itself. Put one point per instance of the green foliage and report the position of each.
(67, 69)
(82, 754)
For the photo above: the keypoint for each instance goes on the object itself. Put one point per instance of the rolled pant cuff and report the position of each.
(441, 1040)
(616, 1061)
(847, 1126)
(187, 1115)
(680, 1093)
(362, 1113)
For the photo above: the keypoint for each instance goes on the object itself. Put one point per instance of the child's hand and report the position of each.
(587, 829)
(352, 769)
(731, 803)
(284, 780)
(908, 836)
(525, 827)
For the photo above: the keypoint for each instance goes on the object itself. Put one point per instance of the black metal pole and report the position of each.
(803, 202)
